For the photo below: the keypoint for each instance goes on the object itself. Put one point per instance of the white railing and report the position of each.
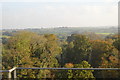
(10, 71)
(18, 68)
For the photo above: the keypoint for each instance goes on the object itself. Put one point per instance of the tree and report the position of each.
(83, 73)
(93, 36)
(116, 43)
(78, 49)
(27, 49)
(104, 55)
(102, 49)
(49, 56)
(18, 52)
(76, 74)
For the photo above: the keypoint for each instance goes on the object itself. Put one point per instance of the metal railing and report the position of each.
(18, 68)
(10, 71)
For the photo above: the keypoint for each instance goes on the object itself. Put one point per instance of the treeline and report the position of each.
(72, 30)
(28, 49)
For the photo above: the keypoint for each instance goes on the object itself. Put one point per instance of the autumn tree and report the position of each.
(104, 55)
(27, 49)
(102, 49)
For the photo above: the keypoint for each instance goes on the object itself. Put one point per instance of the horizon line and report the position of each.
(61, 27)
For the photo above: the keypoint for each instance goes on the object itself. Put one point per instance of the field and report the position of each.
(105, 33)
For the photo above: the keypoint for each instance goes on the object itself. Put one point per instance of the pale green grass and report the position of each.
(105, 33)
(4, 36)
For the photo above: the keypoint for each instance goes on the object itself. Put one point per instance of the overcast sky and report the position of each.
(57, 13)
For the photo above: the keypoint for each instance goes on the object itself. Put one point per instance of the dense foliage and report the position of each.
(87, 50)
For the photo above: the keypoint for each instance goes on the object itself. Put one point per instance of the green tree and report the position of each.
(76, 74)
(79, 49)
(17, 51)
(49, 56)
(83, 73)
(116, 43)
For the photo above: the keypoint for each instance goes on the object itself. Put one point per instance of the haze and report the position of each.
(59, 13)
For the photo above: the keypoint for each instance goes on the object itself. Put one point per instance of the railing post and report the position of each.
(9, 75)
(15, 74)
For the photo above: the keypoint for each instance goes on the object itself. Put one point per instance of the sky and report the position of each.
(58, 13)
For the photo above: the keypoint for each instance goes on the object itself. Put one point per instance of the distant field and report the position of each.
(4, 36)
(105, 33)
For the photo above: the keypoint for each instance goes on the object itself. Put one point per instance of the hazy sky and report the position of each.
(57, 13)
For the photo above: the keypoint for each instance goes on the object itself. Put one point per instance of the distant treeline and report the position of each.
(70, 30)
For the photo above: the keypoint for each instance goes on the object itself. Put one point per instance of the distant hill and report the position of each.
(66, 30)
(63, 32)
(72, 30)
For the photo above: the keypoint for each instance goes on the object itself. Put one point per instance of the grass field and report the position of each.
(105, 33)
(4, 36)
